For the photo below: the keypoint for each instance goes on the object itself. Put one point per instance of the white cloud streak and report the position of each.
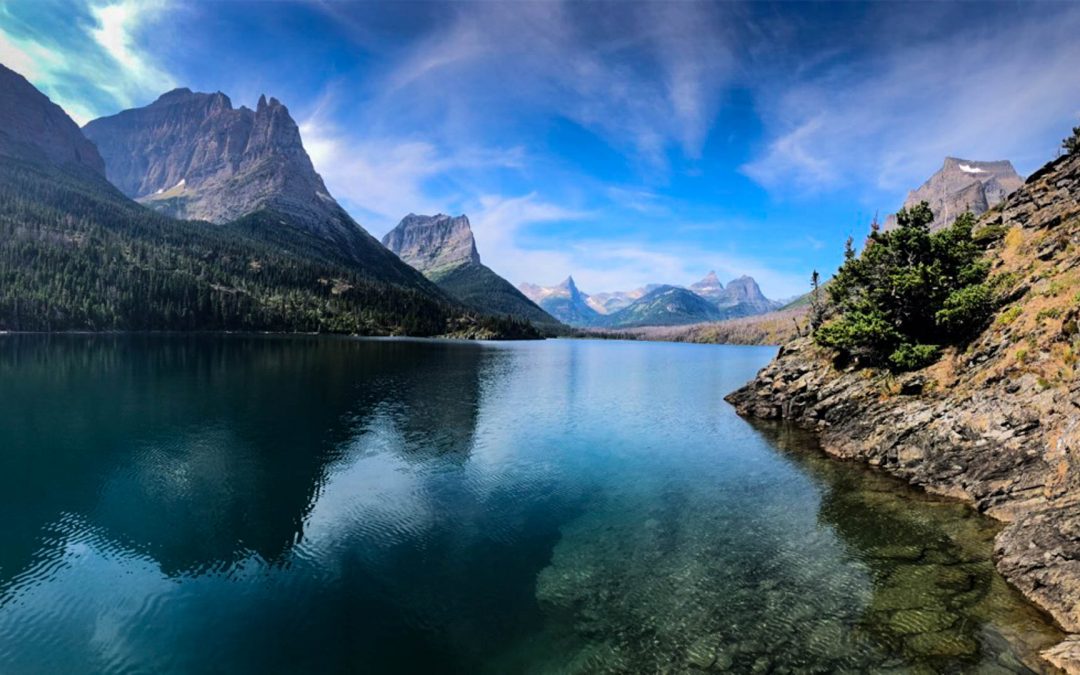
(885, 120)
(102, 69)
(602, 264)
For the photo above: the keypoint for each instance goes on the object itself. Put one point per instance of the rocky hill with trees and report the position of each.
(950, 359)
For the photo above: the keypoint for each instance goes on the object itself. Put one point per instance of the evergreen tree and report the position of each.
(909, 293)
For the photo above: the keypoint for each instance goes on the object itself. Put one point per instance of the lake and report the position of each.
(298, 505)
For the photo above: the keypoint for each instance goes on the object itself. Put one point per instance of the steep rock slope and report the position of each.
(709, 288)
(996, 423)
(37, 129)
(963, 185)
(743, 297)
(433, 244)
(444, 250)
(564, 302)
(193, 156)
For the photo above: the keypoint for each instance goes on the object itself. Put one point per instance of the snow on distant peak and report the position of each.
(967, 168)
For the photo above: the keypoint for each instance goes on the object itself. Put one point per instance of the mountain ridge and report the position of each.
(77, 254)
(963, 185)
(192, 155)
(36, 129)
(444, 249)
(740, 298)
(564, 301)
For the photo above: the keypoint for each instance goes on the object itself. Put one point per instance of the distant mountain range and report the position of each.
(652, 305)
(963, 185)
(272, 249)
(240, 232)
(444, 250)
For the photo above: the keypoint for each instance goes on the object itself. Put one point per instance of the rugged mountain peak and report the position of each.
(709, 287)
(742, 297)
(193, 155)
(564, 301)
(433, 244)
(34, 128)
(963, 185)
(744, 289)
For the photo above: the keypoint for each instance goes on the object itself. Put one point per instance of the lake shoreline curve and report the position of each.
(996, 422)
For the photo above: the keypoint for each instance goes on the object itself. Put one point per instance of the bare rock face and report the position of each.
(994, 423)
(709, 288)
(37, 129)
(193, 155)
(433, 244)
(963, 185)
(444, 250)
(743, 297)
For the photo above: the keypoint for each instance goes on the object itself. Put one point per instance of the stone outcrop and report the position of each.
(36, 129)
(995, 423)
(433, 244)
(963, 185)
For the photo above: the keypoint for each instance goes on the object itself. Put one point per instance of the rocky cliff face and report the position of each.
(996, 423)
(963, 185)
(433, 244)
(743, 297)
(194, 156)
(37, 129)
(444, 250)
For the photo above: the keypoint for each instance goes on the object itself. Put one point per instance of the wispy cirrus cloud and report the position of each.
(883, 121)
(88, 58)
(646, 78)
(381, 177)
(510, 232)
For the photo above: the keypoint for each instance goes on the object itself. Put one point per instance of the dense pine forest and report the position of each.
(75, 254)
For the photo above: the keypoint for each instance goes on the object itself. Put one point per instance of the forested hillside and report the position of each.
(75, 254)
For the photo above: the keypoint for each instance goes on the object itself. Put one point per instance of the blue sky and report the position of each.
(624, 143)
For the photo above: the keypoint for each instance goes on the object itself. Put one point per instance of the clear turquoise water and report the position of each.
(249, 504)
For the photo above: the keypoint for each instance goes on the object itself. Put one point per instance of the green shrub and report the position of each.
(910, 357)
(965, 310)
(1072, 143)
(989, 234)
(909, 289)
(1010, 315)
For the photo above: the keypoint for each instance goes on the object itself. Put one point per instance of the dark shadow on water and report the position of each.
(221, 443)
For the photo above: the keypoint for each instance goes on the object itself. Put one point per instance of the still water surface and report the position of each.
(275, 505)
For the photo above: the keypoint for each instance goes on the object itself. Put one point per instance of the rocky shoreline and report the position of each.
(997, 423)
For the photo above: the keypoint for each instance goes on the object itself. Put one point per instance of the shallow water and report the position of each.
(248, 504)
